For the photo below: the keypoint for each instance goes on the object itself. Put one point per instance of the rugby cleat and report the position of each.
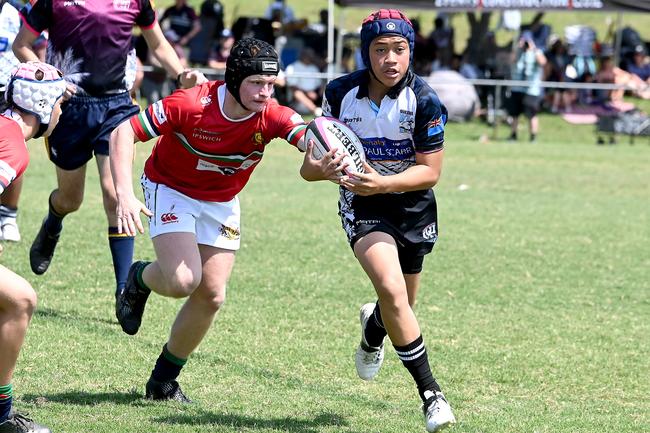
(171, 390)
(17, 423)
(131, 300)
(437, 412)
(42, 250)
(9, 229)
(367, 359)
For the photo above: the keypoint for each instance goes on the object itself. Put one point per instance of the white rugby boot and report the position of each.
(368, 359)
(437, 412)
(9, 231)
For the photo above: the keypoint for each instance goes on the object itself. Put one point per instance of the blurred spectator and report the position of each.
(184, 24)
(306, 92)
(538, 30)
(478, 29)
(315, 36)
(279, 11)
(206, 40)
(467, 70)
(528, 66)
(212, 12)
(558, 60)
(423, 55)
(610, 73)
(441, 40)
(221, 52)
(639, 65)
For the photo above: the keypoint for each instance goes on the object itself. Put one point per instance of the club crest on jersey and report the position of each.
(258, 139)
(406, 122)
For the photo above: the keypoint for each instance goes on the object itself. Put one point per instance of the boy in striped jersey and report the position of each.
(211, 138)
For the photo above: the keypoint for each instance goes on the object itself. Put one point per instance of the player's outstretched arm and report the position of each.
(121, 155)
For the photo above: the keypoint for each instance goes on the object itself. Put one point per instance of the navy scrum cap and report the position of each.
(385, 22)
(248, 57)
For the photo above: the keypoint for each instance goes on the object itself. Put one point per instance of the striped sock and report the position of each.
(8, 212)
(168, 366)
(415, 359)
(6, 397)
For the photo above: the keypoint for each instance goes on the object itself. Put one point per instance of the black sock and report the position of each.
(54, 220)
(375, 331)
(121, 246)
(415, 359)
(168, 366)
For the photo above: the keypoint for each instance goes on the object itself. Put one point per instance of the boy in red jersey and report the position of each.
(211, 139)
(31, 109)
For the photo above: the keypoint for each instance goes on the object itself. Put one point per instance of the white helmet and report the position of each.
(34, 87)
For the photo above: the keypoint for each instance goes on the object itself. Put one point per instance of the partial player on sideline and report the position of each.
(31, 109)
(211, 139)
(389, 212)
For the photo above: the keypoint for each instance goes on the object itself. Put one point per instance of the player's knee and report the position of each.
(184, 283)
(23, 301)
(68, 203)
(215, 300)
(393, 296)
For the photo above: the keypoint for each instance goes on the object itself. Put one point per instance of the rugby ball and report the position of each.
(329, 133)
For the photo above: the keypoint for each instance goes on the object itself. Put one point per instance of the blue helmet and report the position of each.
(385, 22)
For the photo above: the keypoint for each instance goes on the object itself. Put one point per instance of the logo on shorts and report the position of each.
(430, 232)
(168, 218)
(230, 233)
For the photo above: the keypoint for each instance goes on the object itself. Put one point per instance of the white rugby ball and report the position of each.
(329, 133)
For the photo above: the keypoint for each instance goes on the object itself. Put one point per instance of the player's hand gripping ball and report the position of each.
(328, 133)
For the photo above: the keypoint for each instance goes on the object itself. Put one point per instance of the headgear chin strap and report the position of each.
(385, 22)
(248, 57)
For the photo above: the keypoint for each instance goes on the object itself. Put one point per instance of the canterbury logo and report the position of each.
(167, 218)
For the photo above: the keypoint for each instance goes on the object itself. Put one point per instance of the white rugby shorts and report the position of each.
(216, 224)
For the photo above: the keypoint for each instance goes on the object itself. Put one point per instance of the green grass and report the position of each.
(534, 304)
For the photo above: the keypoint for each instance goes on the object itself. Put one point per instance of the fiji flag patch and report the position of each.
(436, 126)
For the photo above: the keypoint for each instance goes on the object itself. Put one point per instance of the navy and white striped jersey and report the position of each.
(409, 119)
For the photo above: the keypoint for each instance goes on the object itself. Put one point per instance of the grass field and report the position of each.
(534, 305)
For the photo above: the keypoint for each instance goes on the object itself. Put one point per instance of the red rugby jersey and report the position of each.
(13, 151)
(201, 152)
